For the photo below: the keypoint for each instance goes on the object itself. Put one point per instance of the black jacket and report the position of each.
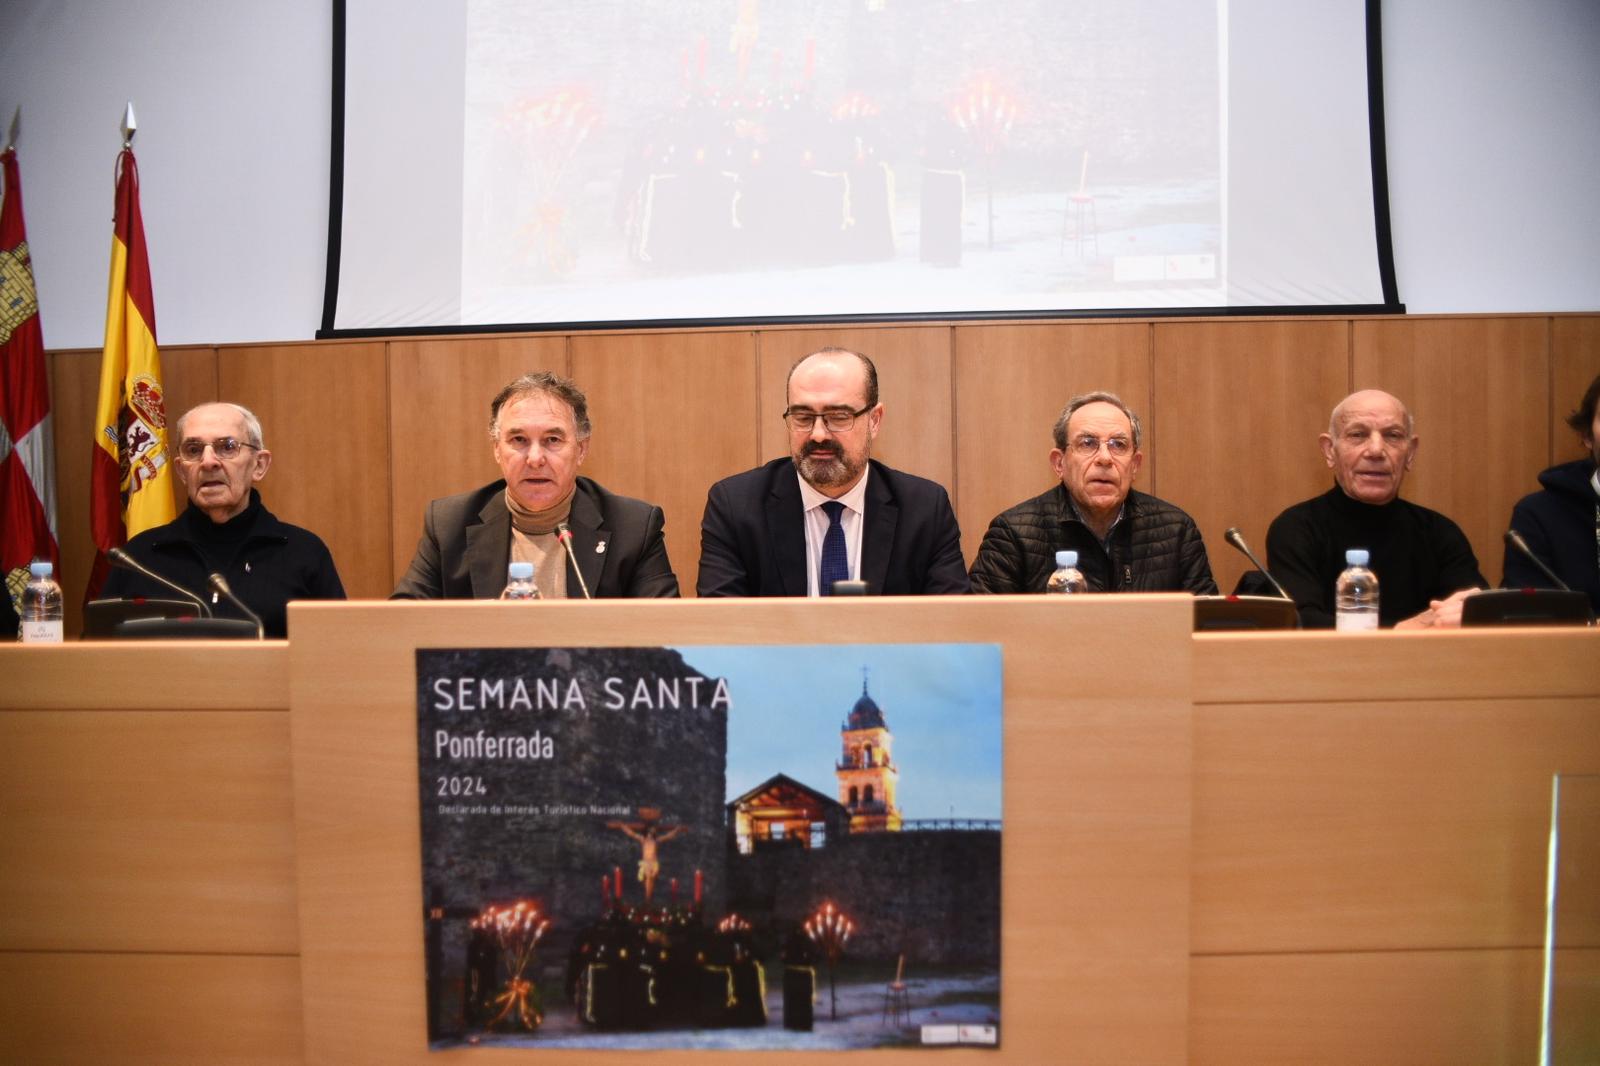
(1562, 526)
(753, 538)
(466, 544)
(1155, 548)
(271, 563)
(10, 624)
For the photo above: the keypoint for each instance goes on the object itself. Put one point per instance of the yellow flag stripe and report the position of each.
(114, 362)
(130, 354)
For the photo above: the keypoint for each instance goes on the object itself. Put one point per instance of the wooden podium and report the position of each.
(1217, 848)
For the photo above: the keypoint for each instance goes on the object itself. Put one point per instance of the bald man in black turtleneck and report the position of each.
(1424, 564)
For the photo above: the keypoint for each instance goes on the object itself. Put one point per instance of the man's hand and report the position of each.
(1441, 614)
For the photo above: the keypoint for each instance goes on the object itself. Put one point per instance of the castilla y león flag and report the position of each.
(130, 487)
(27, 450)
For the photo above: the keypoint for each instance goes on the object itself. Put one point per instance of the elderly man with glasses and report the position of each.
(226, 530)
(829, 512)
(1126, 541)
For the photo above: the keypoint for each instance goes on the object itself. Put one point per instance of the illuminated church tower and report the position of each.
(868, 777)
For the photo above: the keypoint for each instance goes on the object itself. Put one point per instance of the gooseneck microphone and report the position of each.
(128, 562)
(1514, 539)
(564, 535)
(220, 584)
(1234, 537)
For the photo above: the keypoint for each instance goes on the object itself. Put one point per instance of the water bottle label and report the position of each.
(1356, 621)
(42, 632)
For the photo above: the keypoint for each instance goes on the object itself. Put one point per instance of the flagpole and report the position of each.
(131, 468)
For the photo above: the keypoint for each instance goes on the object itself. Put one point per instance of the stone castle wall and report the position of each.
(933, 895)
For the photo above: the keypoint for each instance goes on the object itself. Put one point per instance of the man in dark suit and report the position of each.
(829, 512)
(540, 427)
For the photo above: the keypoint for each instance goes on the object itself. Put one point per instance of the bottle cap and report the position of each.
(1066, 559)
(1356, 557)
(520, 572)
(41, 568)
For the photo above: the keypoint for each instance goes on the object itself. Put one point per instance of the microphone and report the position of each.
(564, 535)
(1234, 537)
(220, 584)
(128, 562)
(1514, 539)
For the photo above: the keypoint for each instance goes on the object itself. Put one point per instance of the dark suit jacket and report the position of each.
(753, 538)
(466, 544)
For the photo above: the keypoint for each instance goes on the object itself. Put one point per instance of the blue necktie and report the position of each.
(835, 560)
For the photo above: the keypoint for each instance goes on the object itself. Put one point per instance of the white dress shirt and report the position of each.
(851, 519)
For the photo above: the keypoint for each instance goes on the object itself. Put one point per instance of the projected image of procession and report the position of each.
(723, 159)
(712, 847)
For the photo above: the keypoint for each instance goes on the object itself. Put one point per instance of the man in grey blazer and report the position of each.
(829, 512)
(540, 427)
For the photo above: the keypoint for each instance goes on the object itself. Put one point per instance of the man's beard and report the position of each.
(837, 469)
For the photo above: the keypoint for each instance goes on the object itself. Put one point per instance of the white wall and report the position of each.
(1493, 114)
(1494, 156)
(232, 98)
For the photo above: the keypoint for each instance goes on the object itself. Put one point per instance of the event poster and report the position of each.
(746, 847)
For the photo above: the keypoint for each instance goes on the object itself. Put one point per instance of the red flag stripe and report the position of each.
(129, 229)
(105, 501)
(27, 452)
(24, 388)
(11, 228)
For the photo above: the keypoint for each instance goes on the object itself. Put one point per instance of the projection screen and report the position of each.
(510, 165)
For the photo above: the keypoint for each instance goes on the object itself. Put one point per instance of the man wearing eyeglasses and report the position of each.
(227, 530)
(1126, 541)
(829, 512)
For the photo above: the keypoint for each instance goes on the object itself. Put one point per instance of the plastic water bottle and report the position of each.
(1067, 577)
(1355, 595)
(41, 606)
(519, 583)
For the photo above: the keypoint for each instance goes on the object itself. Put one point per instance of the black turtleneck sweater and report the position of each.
(1419, 555)
(267, 563)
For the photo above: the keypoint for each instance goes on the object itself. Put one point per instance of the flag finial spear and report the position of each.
(16, 124)
(130, 126)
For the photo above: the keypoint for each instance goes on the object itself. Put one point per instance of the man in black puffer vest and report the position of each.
(1126, 541)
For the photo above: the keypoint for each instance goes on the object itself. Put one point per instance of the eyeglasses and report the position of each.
(192, 449)
(837, 419)
(1089, 446)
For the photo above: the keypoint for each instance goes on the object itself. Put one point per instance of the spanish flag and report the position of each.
(27, 452)
(130, 486)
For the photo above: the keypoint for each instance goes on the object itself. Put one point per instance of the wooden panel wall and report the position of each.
(438, 421)
(1239, 406)
(1574, 364)
(1479, 388)
(324, 410)
(364, 434)
(673, 412)
(1010, 385)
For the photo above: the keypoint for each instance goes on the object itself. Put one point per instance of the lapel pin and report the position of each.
(247, 568)
(599, 547)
